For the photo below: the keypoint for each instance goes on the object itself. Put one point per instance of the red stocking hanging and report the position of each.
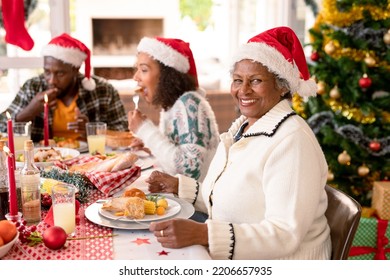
(14, 24)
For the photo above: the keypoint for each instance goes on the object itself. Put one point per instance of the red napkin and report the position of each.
(107, 182)
(49, 219)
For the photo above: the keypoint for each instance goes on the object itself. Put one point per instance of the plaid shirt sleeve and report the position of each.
(26, 93)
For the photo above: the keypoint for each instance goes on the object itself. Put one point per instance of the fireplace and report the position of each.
(120, 37)
(112, 30)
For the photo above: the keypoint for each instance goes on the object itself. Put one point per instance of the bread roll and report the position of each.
(132, 207)
(134, 192)
(124, 161)
(112, 164)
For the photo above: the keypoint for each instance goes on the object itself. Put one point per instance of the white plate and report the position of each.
(173, 208)
(92, 214)
(65, 153)
(83, 147)
(141, 154)
(145, 163)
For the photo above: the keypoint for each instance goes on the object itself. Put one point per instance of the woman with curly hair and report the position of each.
(187, 136)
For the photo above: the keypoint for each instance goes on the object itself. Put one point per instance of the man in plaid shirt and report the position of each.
(73, 98)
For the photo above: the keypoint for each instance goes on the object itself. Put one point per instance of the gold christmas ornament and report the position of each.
(335, 93)
(386, 38)
(363, 170)
(321, 86)
(330, 176)
(330, 48)
(344, 158)
(369, 60)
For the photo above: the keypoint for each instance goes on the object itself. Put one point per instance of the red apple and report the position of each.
(54, 237)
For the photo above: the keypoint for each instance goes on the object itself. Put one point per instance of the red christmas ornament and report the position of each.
(315, 56)
(375, 146)
(365, 81)
(54, 237)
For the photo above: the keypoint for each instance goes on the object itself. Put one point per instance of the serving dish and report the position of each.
(66, 154)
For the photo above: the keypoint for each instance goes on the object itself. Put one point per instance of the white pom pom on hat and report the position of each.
(171, 52)
(74, 52)
(280, 50)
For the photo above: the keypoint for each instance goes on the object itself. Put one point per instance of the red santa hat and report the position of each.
(74, 52)
(281, 52)
(174, 53)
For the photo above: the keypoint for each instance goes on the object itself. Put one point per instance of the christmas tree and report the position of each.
(350, 115)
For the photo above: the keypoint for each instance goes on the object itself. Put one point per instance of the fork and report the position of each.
(136, 100)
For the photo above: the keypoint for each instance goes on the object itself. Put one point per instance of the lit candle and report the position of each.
(13, 200)
(46, 123)
(10, 131)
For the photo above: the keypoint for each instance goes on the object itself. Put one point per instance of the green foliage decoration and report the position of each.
(345, 34)
(198, 10)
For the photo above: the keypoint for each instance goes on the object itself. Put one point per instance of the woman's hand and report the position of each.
(179, 233)
(135, 119)
(160, 182)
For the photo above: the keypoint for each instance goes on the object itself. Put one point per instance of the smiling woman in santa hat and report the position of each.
(74, 98)
(264, 191)
(187, 136)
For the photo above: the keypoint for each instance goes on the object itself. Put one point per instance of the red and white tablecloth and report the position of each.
(83, 249)
(124, 245)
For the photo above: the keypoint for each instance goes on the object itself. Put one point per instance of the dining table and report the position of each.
(98, 237)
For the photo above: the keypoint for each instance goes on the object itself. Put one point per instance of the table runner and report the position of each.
(84, 249)
(143, 245)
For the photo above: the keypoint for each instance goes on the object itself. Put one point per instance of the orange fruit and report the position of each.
(160, 210)
(1, 241)
(8, 230)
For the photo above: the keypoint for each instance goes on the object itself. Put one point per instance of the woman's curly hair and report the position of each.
(171, 86)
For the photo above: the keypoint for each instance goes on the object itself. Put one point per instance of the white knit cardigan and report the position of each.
(265, 194)
(187, 137)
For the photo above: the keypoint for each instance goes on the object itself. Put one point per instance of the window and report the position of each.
(232, 23)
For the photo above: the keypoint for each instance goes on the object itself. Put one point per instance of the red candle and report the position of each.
(46, 123)
(13, 200)
(10, 131)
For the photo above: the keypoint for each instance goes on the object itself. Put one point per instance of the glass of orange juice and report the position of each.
(22, 132)
(96, 137)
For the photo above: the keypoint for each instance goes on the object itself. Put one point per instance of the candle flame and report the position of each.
(8, 115)
(46, 99)
(7, 151)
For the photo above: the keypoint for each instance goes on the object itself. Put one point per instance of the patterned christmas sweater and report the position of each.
(187, 137)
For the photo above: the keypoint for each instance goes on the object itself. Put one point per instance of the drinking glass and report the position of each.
(96, 137)
(64, 207)
(22, 132)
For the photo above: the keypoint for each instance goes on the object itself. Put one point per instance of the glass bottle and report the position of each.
(30, 180)
(3, 183)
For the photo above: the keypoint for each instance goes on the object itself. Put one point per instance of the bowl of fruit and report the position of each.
(9, 235)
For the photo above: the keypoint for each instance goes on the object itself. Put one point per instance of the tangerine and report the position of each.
(160, 210)
(1, 241)
(8, 231)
